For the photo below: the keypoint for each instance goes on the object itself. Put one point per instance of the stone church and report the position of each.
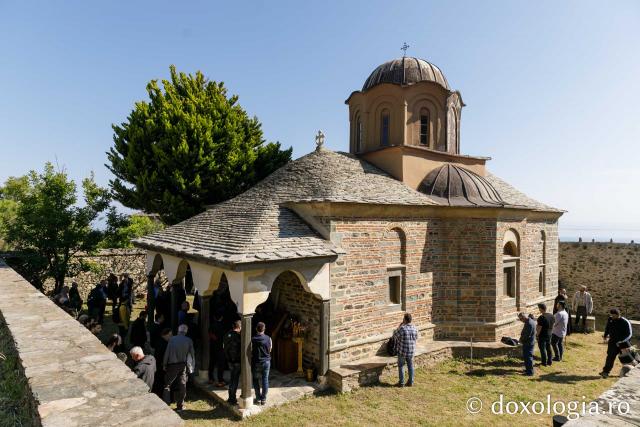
(348, 242)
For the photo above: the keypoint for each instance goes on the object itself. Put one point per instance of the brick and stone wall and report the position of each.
(452, 272)
(538, 250)
(611, 271)
(362, 316)
(73, 379)
(290, 296)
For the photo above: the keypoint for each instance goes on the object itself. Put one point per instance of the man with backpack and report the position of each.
(232, 352)
(406, 337)
(619, 331)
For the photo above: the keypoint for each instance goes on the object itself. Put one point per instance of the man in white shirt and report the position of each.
(582, 305)
(559, 331)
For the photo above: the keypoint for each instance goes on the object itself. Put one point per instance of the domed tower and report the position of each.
(406, 120)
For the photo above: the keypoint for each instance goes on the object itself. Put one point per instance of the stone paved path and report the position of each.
(282, 389)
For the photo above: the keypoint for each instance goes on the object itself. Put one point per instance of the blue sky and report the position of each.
(551, 88)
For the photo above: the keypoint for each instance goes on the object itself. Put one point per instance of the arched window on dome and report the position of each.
(385, 125)
(358, 134)
(424, 127)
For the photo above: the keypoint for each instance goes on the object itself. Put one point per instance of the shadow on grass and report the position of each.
(492, 372)
(566, 378)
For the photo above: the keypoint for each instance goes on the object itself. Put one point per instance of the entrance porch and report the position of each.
(296, 294)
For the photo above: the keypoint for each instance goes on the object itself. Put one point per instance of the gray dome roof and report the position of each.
(456, 186)
(405, 71)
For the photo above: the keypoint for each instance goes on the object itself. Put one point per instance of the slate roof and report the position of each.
(255, 227)
(514, 197)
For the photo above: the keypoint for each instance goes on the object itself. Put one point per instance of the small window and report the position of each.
(358, 135)
(541, 282)
(395, 289)
(510, 282)
(384, 129)
(424, 129)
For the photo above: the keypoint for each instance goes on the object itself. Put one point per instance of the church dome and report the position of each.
(456, 186)
(405, 71)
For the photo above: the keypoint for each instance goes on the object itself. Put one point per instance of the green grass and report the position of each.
(15, 398)
(439, 396)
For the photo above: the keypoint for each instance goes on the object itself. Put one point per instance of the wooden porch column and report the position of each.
(246, 393)
(324, 337)
(204, 331)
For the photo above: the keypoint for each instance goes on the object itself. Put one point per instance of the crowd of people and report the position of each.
(165, 361)
(550, 331)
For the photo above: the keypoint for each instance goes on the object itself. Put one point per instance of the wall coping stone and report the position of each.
(74, 379)
(624, 390)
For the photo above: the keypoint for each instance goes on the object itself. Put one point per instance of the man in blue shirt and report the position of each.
(527, 339)
(261, 362)
(406, 337)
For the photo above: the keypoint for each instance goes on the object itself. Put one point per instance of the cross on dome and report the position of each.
(319, 140)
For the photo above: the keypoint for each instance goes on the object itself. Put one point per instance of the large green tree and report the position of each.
(48, 227)
(122, 228)
(189, 146)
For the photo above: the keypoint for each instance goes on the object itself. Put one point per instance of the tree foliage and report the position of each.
(121, 229)
(11, 192)
(49, 228)
(189, 146)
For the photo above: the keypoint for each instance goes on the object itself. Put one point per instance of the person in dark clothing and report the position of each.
(75, 300)
(158, 352)
(619, 332)
(144, 366)
(155, 330)
(232, 352)
(163, 304)
(125, 289)
(139, 330)
(543, 333)
(261, 362)
(112, 289)
(217, 331)
(527, 339)
(96, 302)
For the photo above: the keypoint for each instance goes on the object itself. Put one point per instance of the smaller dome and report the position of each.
(456, 186)
(405, 71)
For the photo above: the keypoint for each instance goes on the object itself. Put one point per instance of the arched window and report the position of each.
(424, 127)
(385, 124)
(510, 260)
(394, 243)
(358, 134)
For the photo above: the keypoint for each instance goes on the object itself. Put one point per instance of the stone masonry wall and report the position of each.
(292, 297)
(538, 247)
(463, 254)
(362, 317)
(73, 378)
(611, 271)
(118, 261)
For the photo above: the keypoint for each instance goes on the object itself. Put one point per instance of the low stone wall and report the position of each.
(73, 378)
(611, 271)
(619, 406)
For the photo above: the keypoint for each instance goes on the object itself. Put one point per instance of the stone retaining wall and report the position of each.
(73, 378)
(611, 271)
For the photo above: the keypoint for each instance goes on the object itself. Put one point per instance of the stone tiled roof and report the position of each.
(514, 197)
(255, 226)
